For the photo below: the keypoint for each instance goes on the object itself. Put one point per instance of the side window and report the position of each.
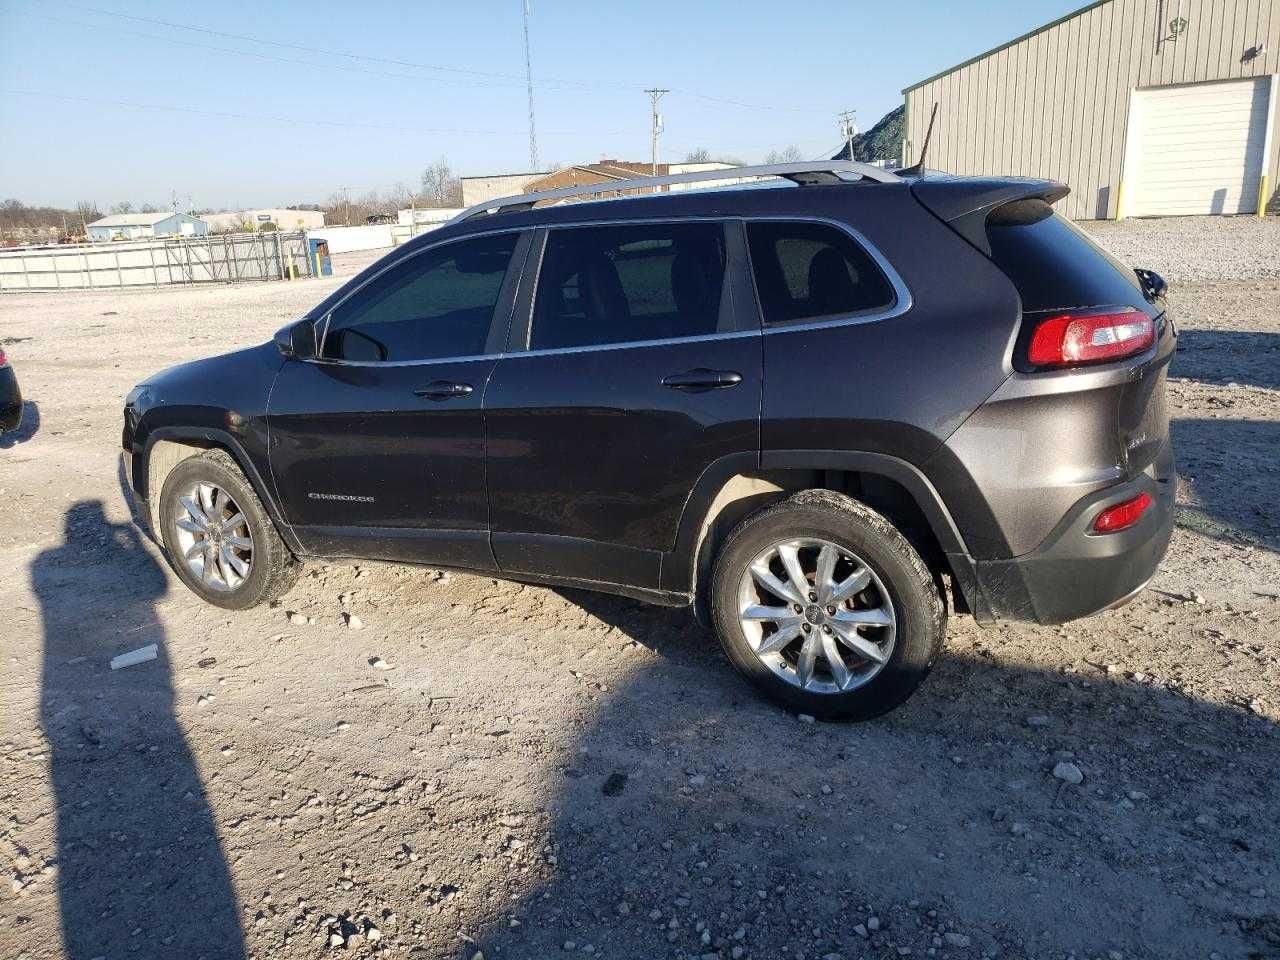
(617, 284)
(435, 305)
(813, 271)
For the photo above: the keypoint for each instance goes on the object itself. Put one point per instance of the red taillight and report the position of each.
(1073, 338)
(1123, 515)
(3, 358)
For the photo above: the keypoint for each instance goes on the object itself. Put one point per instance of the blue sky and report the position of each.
(250, 123)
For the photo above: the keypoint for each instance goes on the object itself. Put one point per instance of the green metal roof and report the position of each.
(1005, 46)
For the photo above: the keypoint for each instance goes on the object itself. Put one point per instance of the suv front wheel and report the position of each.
(219, 538)
(824, 605)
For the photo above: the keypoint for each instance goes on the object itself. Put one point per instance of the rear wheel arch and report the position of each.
(891, 486)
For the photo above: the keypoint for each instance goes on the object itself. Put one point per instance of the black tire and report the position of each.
(911, 587)
(272, 570)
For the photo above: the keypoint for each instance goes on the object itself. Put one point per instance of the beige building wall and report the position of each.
(479, 189)
(1055, 103)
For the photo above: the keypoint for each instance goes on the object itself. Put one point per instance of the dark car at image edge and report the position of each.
(10, 396)
(823, 415)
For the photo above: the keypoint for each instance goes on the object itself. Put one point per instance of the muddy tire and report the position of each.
(220, 541)
(826, 607)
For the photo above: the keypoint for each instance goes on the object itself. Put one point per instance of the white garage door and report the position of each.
(1196, 148)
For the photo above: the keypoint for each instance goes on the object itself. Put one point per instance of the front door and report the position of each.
(639, 369)
(377, 445)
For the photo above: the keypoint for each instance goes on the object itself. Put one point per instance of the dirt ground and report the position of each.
(489, 768)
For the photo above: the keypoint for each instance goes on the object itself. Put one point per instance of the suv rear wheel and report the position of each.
(220, 541)
(824, 605)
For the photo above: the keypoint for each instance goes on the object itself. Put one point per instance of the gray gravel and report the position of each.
(518, 772)
(1195, 248)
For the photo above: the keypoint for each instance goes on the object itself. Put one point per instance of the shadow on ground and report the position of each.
(1230, 470)
(691, 818)
(1220, 357)
(140, 869)
(27, 427)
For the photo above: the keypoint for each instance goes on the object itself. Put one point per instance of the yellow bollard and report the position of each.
(1262, 196)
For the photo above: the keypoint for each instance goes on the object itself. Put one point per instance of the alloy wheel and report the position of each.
(214, 537)
(816, 615)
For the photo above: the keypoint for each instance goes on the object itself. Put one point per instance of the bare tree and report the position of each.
(440, 188)
(790, 155)
(124, 206)
(400, 196)
(701, 155)
(87, 212)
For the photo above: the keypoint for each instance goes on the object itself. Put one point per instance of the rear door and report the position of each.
(377, 446)
(639, 368)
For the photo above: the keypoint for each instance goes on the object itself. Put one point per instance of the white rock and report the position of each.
(956, 939)
(353, 622)
(805, 718)
(1068, 772)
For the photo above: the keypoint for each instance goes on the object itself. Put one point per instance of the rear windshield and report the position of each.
(1054, 264)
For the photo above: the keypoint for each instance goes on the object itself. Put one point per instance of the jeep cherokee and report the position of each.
(821, 415)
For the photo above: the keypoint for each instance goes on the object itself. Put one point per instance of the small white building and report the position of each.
(424, 216)
(250, 221)
(137, 226)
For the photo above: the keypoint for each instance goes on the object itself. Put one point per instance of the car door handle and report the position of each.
(443, 390)
(695, 381)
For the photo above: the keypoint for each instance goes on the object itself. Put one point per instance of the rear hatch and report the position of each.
(1066, 425)
(1059, 270)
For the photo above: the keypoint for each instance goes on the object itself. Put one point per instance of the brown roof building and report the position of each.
(585, 174)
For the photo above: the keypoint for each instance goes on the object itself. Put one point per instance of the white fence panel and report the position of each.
(139, 263)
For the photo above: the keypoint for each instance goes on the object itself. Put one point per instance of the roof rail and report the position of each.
(805, 173)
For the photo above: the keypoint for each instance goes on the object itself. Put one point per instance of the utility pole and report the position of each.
(655, 94)
(848, 128)
(346, 202)
(528, 73)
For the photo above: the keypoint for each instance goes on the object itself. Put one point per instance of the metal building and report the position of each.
(136, 226)
(1143, 107)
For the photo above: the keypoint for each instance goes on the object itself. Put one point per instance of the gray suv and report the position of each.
(821, 415)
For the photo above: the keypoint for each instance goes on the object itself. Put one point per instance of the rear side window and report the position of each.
(619, 284)
(813, 271)
(1053, 263)
(435, 305)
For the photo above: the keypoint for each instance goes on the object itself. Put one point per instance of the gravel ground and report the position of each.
(1197, 248)
(489, 768)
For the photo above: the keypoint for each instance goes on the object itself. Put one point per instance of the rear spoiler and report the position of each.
(964, 202)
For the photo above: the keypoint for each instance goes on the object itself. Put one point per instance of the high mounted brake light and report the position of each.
(1079, 337)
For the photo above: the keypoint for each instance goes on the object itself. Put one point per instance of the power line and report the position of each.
(256, 117)
(593, 85)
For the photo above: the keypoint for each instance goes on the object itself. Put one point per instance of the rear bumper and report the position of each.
(1075, 572)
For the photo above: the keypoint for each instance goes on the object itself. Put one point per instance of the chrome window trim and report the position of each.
(630, 344)
(401, 363)
(903, 300)
(324, 321)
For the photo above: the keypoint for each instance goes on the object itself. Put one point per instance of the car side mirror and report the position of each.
(298, 340)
